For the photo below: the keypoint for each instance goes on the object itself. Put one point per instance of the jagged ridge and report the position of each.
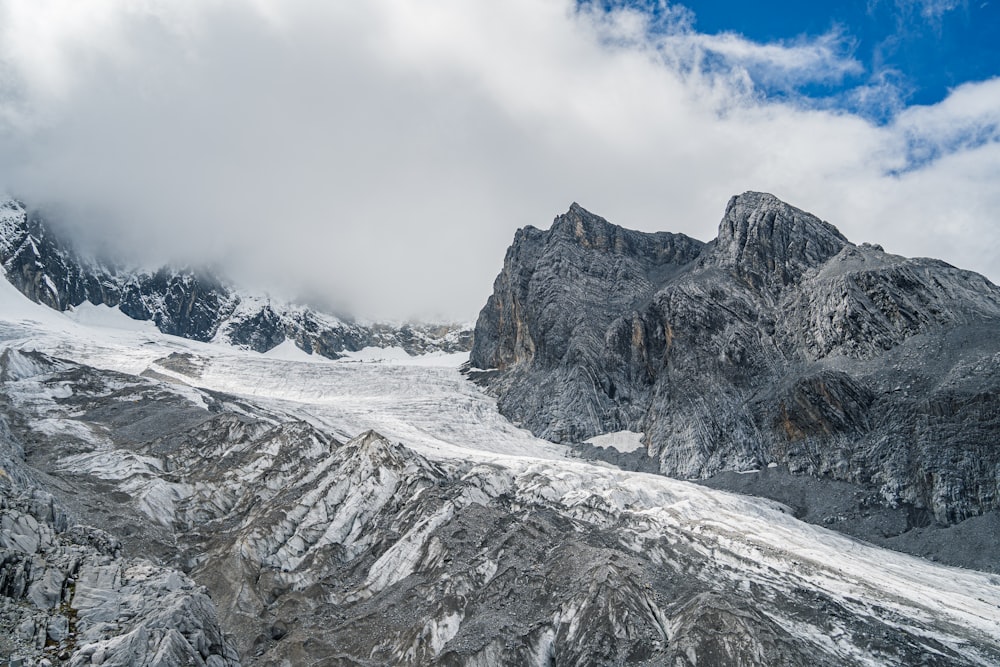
(189, 303)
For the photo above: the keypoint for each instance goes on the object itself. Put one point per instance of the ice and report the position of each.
(397, 355)
(401, 559)
(157, 498)
(63, 427)
(623, 441)
(19, 366)
(287, 350)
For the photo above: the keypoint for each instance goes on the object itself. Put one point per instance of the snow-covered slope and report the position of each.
(379, 511)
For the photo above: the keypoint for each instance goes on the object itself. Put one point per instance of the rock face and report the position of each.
(191, 304)
(553, 306)
(779, 342)
(44, 269)
(249, 513)
(69, 596)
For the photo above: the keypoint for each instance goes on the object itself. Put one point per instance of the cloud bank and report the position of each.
(382, 153)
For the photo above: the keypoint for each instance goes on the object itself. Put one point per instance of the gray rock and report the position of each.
(778, 342)
(69, 596)
(45, 268)
(554, 305)
(58, 628)
(235, 531)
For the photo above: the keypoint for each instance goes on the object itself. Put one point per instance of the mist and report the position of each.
(380, 155)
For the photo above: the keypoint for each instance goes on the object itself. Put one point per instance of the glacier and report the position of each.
(245, 508)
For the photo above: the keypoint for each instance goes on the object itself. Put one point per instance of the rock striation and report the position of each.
(68, 595)
(249, 514)
(194, 304)
(778, 343)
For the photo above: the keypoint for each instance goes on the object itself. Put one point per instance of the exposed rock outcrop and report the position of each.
(45, 269)
(69, 596)
(779, 342)
(553, 306)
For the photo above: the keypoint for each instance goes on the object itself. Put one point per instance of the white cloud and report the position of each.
(386, 151)
(969, 117)
(822, 59)
(933, 10)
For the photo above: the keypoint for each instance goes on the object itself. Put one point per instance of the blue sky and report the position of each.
(384, 152)
(908, 52)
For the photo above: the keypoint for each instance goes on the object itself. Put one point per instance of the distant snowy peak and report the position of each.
(260, 324)
(194, 304)
(11, 220)
(45, 268)
(48, 270)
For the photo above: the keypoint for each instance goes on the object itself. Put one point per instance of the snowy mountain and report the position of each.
(192, 304)
(169, 501)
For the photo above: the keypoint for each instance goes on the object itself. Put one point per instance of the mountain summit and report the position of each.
(770, 243)
(779, 343)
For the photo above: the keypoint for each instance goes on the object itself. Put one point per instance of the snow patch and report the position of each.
(15, 365)
(401, 559)
(623, 441)
(107, 317)
(51, 285)
(68, 427)
(287, 350)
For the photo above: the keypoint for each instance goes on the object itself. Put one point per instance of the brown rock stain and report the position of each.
(638, 334)
(792, 432)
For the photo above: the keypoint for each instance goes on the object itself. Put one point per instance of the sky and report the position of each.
(379, 155)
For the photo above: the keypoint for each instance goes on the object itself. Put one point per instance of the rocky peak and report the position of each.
(590, 263)
(183, 302)
(781, 343)
(592, 232)
(585, 228)
(45, 268)
(12, 223)
(769, 243)
(372, 451)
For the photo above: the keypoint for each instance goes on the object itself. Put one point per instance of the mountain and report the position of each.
(192, 304)
(166, 501)
(778, 347)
